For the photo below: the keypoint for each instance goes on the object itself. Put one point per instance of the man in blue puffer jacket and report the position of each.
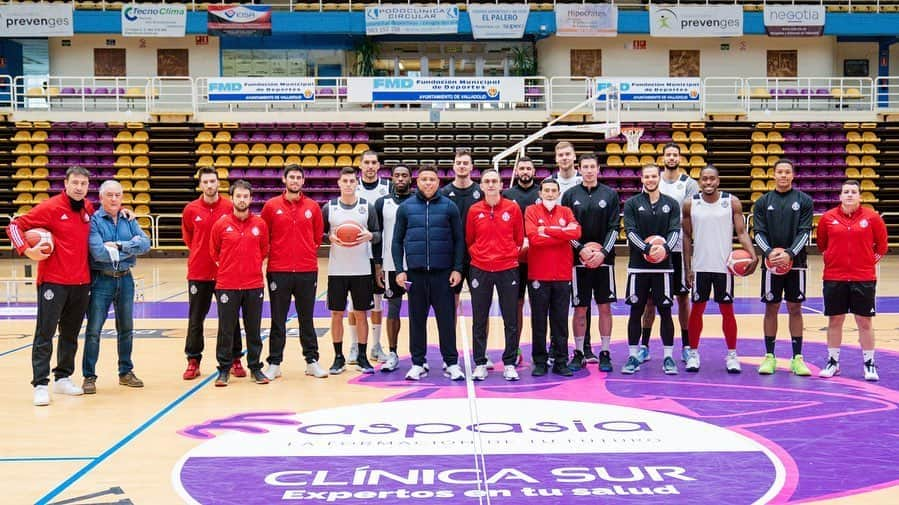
(428, 236)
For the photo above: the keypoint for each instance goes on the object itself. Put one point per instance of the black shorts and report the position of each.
(678, 277)
(789, 287)
(522, 280)
(466, 271)
(703, 282)
(392, 290)
(642, 285)
(375, 289)
(843, 297)
(598, 282)
(356, 286)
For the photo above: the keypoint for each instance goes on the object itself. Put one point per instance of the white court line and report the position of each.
(474, 418)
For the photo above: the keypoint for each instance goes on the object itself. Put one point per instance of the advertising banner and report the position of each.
(794, 20)
(36, 20)
(239, 20)
(696, 21)
(261, 89)
(640, 89)
(153, 20)
(489, 21)
(411, 19)
(435, 89)
(586, 20)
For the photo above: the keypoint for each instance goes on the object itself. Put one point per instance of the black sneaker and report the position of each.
(259, 377)
(539, 370)
(339, 365)
(561, 368)
(605, 361)
(363, 365)
(577, 361)
(589, 357)
(222, 380)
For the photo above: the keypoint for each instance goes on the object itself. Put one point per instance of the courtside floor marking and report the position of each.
(41, 459)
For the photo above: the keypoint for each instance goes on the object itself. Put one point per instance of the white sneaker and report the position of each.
(692, 361)
(417, 372)
(378, 355)
(732, 363)
(509, 373)
(353, 356)
(831, 368)
(490, 365)
(65, 386)
(480, 373)
(272, 371)
(871, 371)
(393, 361)
(315, 370)
(41, 396)
(454, 372)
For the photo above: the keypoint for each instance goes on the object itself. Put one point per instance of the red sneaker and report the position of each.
(237, 369)
(193, 369)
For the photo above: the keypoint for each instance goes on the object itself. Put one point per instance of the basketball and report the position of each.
(40, 236)
(348, 232)
(778, 270)
(738, 262)
(655, 239)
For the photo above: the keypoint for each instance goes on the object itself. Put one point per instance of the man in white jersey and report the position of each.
(349, 266)
(567, 176)
(710, 219)
(371, 187)
(385, 270)
(681, 187)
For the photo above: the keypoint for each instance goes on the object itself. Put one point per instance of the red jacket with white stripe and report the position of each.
(851, 245)
(550, 257)
(196, 223)
(68, 265)
(494, 235)
(295, 234)
(239, 247)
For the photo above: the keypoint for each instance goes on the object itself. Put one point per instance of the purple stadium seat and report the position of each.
(610, 173)
(834, 126)
(822, 91)
(258, 137)
(57, 186)
(662, 137)
(325, 92)
(253, 173)
(360, 137)
(270, 173)
(356, 126)
(807, 148)
(790, 91)
(69, 91)
(326, 137)
(236, 173)
(106, 136)
(790, 137)
(275, 136)
(309, 137)
(822, 137)
(90, 162)
(807, 137)
(73, 148)
(240, 137)
(101, 91)
(806, 162)
(293, 136)
(56, 162)
(341, 91)
(87, 91)
(55, 136)
(822, 149)
(73, 137)
(343, 137)
(89, 137)
(108, 161)
(104, 148)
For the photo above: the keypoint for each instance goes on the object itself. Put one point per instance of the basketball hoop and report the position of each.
(633, 138)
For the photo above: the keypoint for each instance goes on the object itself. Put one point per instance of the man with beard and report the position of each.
(525, 192)
(681, 187)
(295, 232)
(239, 245)
(464, 192)
(650, 214)
(385, 271)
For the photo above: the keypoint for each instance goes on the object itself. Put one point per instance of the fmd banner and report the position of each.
(435, 89)
(496, 21)
(411, 19)
(153, 20)
(640, 89)
(794, 20)
(36, 20)
(239, 20)
(277, 89)
(586, 20)
(696, 21)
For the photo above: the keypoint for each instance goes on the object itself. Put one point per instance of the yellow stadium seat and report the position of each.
(344, 161)
(344, 149)
(615, 161)
(22, 149)
(275, 162)
(140, 173)
(866, 185)
(757, 173)
(853, 149)
(327, 149)
(22, 173)
(23, 198)
(204, 149)
(854, 137)
(770, 185)
(222, 149)
(866, 148)
(23, 209)
(22, 136)
(123, 136)
(293, 149)
(867, 160)
(698, 149)
(142, 198)
(697, 136)
(24, 186)
(39, 136)
(240, 162)
(224, 185)
(123, 173)
(359, 148)
(853, 93)
(126, 185)
(144, 222)
(647, 159)
(240, 149)
(258, 162)
(40, 173)
(327, 162)
(775, 136)
(613, 148)
(140, 136)
(695, 172)
(760, 93)
(868, 197)
(758, 161)
(259, 149)
(276, 148)
(631, 161)
(697, 161)
(122, 161)
(222, 173)
(222, 161)
(357, 160)
(758, 149)
(759, 137)
(645, 148)
(222, 136)
(870, 137)
(869, 173)
(140, 149)
(771, 160)
(293, 159)
(309, 162)
(205, 161)
(204, 136)
(42, 185)
(22, 161)
(775, 149)
(141, 210)
(310, 149)
(123, 149)
(852, 173)
(141, 185)
(39, 197)
(679, 137)
(141, 161)
(39, 161)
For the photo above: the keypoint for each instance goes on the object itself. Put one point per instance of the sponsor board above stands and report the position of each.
(498, 21)
(645, 89)
(794, 20)
(411, 19)
(434, 89)
(37, 20)
(696, 21)
(239, 20)
(260, 89)
(154, 20)
(586, 20)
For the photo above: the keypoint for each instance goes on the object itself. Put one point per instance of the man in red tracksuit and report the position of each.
(494, 232)
(238, 244)
(550, 228)
(295, 232)
(852, 239)
(196, 223)
(63, 281)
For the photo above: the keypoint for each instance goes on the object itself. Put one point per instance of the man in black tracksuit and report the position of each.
(525, 192)
(782, 220)
(646, 214)
(596, 207)
(463, 192)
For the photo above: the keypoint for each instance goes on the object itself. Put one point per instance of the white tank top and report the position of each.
(372, 195)
(349, 260)
(681, 189)
(713, 230)
(388, 212)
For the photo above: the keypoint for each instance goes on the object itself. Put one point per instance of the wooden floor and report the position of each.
(150, 445)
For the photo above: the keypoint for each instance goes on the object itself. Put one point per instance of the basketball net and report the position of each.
(633, 139)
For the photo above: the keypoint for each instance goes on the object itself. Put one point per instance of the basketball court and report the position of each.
(357, 438)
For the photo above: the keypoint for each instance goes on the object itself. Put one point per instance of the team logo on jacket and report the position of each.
(475, 284)
(666, 209)
(863, 223)
(481, 215)
(48, 295)
(193, 289)
(576, 203)
(279, 212)
(536, 284)
(476, 194)
(506, 216)
(562, 222)
(795, 206)
(255, 231)
(224, 298)
(64, 217)
(229, 228)
(308, 214)
(602, 204)
(198, 219)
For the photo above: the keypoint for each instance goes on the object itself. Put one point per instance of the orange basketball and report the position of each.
(738, 262)
(348, 232)
(778, 270)
(655, 240)
(40, 236)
